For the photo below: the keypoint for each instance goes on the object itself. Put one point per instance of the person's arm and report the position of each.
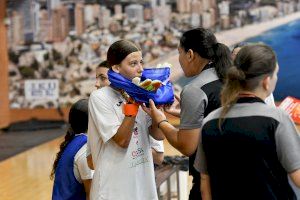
(183, 140)
(124, 132)
(201, 166)
(90, 161)
(158, 157)
(193, 102)
(205, 187)
(155, 132)
(106, 119)
(295, 176)
(84, 172)
(153, 129)
(288, 147)
(157, 148)
(89, 157)
(87, 187)
(174, 109)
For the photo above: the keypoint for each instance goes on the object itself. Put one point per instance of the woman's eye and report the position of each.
(133, 64)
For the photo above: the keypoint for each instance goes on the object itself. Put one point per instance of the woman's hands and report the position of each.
(157, 114)
(174, 109)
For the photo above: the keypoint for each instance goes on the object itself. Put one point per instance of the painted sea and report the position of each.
(285, 40)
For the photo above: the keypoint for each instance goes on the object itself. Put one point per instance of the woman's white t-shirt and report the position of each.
(81, 170)
(120, 173)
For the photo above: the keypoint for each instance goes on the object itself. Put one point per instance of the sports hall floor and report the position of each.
(26, 175)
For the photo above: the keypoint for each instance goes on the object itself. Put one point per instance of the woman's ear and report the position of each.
(116, 68)
(266, 83)
(190, 55)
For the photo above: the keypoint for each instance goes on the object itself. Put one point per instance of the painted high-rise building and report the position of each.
(224, 8)
(60, 23)
(52, 4)
(118, 9)
(224, 11)
(162, 2)
(105, 17)
(153, 3)
(206, 20)
(88, 15)
(91, 13)
(25, 8)
(184, 6)
(163, 14)
(45, 32)
(16, 31)
(148, 13)
(181, 6)
(135, 12)
(196, 7)
(79, 18)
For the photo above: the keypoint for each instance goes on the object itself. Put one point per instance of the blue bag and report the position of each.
(163, 95)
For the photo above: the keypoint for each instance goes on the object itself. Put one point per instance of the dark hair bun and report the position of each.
(234, 73)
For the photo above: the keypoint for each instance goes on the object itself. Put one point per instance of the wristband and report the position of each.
(130, 109)
(165, 120)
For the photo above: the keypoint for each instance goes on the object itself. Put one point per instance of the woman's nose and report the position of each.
(141, 69)
(97, 84)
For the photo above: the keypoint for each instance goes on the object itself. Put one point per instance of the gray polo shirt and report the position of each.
(250, 157)
(198, 99)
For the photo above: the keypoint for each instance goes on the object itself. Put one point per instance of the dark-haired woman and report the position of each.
(203, 57)
(248, 147)
(119, 140)
(70, 170)
(101, 75)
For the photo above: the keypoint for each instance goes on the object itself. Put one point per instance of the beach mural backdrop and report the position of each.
(285, 40)
(54, 46)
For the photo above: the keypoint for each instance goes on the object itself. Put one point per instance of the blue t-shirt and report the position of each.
(66, 185)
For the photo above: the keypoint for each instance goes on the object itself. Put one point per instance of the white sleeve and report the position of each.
(157, 145)
(88, 148)
(104, 117)
(288, 144)
(80, 163)
(270, 100)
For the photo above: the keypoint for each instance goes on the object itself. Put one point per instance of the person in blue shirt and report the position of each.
(72, 176)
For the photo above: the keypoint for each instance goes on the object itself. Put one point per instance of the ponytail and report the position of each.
(231, 90)
(251, 65)
(68, 137)
(222, 60)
